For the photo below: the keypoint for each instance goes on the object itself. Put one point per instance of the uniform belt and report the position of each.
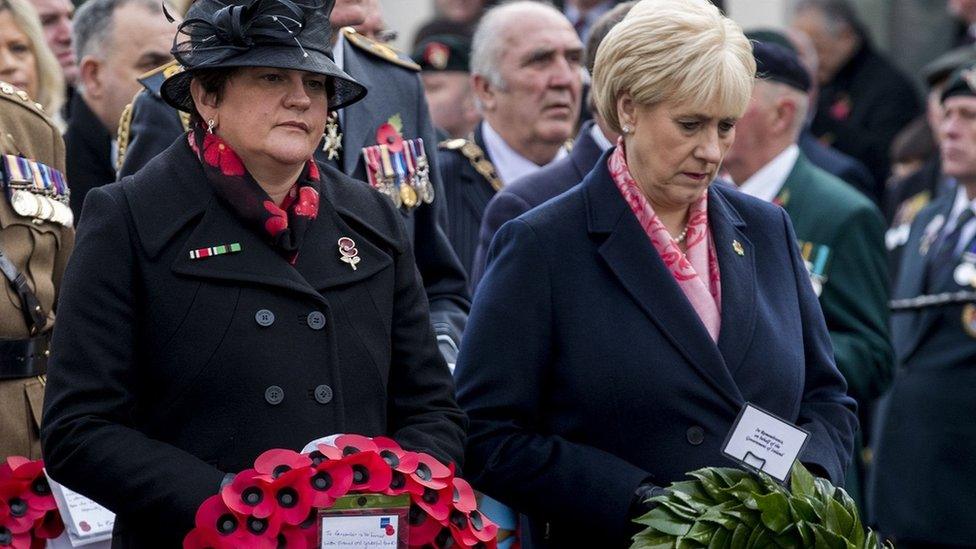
(23, 357)
(34, 315)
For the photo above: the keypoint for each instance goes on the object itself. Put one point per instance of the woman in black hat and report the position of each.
(233, 296)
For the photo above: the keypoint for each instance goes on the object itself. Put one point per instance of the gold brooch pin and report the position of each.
(737, 246)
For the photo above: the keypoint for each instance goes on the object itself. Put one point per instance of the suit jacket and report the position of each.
(618, 382)
(392, 90)
(924, 474)
(169, 372)
(528, 192)
(859, 112)
(467, 193)
(88, 152)
(837, 163)
(152, 124)
(855, 293)
(905, 199)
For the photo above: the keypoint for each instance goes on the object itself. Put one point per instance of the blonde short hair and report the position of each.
(683, 50)
(50, 79)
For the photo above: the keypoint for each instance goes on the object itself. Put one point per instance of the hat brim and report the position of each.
(345, 92)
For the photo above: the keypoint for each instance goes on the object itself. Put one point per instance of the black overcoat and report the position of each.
(169, 372)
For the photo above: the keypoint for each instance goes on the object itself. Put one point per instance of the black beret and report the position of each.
(779, 64)
(444, 52)
(961, 82)
(772, 36)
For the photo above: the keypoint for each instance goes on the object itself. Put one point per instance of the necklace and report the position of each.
(681, 236)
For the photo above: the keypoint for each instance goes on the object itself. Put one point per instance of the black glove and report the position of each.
(640, 505)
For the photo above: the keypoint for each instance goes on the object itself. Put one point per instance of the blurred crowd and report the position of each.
(515, 124)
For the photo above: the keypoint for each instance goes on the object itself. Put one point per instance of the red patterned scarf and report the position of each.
(282, 226)
(696, 269)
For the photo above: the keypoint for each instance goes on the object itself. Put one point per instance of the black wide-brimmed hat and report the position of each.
(283, 34)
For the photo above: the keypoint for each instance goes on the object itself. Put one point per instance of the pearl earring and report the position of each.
(626, 129)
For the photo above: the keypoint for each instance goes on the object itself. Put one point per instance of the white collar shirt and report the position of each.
(509, 164)
(766, 183)
(961, 203)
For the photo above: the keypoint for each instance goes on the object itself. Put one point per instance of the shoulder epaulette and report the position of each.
(476, 156)
(153, 80)
(122, 139)
(377, 49)
(18, 96)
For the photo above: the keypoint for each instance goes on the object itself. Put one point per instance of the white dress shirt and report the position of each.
(961, 203)
(509, 165)
(766, 183)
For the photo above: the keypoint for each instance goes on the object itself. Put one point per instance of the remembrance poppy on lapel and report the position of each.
(219, 155)
(388, 135)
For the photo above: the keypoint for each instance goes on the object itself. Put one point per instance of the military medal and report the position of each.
(348, 252)
(202, 253)
(332, 139)
(398, 167)
(964, 274)
(24, 203)
(737, 247)
(36, 190)
(969, 319)
(815, 257)
(930, 234)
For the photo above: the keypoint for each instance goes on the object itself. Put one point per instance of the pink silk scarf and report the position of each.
(704, 291)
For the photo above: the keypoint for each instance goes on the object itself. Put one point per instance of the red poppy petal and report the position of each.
(464, 498)
(249, 493)
(370, 472)
(278, 461)
(49, 526)
(351, 444)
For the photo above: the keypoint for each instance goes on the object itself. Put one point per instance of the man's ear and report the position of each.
(484, 91)
(786, 112)
(205, 101)
(90, 75)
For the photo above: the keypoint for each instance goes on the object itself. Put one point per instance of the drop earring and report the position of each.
(211, 125)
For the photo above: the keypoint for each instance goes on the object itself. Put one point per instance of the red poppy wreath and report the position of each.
(28, 513)
(276, 503)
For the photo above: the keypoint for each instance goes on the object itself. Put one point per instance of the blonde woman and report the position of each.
(621, 327)
(26, 62)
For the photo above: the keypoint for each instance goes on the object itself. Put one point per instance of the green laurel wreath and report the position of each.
(724, 507)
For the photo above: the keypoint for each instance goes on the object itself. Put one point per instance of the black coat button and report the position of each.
(264, 318)
(323, 394)
(274, 395)
(315, 320)
(696, 435)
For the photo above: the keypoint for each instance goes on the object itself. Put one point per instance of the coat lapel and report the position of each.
(635, 263)
(480, 192)
(359, 118)
(908, 328)
(585, 151)
(738, 272)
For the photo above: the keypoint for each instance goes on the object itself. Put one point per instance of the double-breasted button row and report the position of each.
(274, 394)
(315, 319)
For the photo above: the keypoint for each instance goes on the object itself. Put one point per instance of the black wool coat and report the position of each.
(169, 372)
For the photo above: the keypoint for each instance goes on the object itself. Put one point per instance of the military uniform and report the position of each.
(471, 181)
(148, 125)
(35, 240)
(395, 94)
(849, 273)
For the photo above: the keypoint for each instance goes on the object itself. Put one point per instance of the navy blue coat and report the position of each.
(585, 371)
(528, 192)
(923, 486)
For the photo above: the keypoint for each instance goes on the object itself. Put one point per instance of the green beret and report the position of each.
(443, 52)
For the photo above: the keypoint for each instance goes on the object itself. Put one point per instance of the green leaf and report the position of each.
(775, 509)
(739, 537)
(801, 481)
(720, 540)
(729, 477)
(678, 508)
(824, 539)
(663, 521)
(702, 532)
(645, 540)
(837, 519)
(803, 510)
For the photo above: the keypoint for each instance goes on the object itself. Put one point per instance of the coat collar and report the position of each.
(585, 151)
(633, 261)
(171, 196)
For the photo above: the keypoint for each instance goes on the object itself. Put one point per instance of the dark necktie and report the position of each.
(943, 259)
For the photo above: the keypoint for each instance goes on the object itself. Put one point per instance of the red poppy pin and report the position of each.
(841, 109)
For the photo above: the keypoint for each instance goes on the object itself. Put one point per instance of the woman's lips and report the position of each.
(297, 125)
